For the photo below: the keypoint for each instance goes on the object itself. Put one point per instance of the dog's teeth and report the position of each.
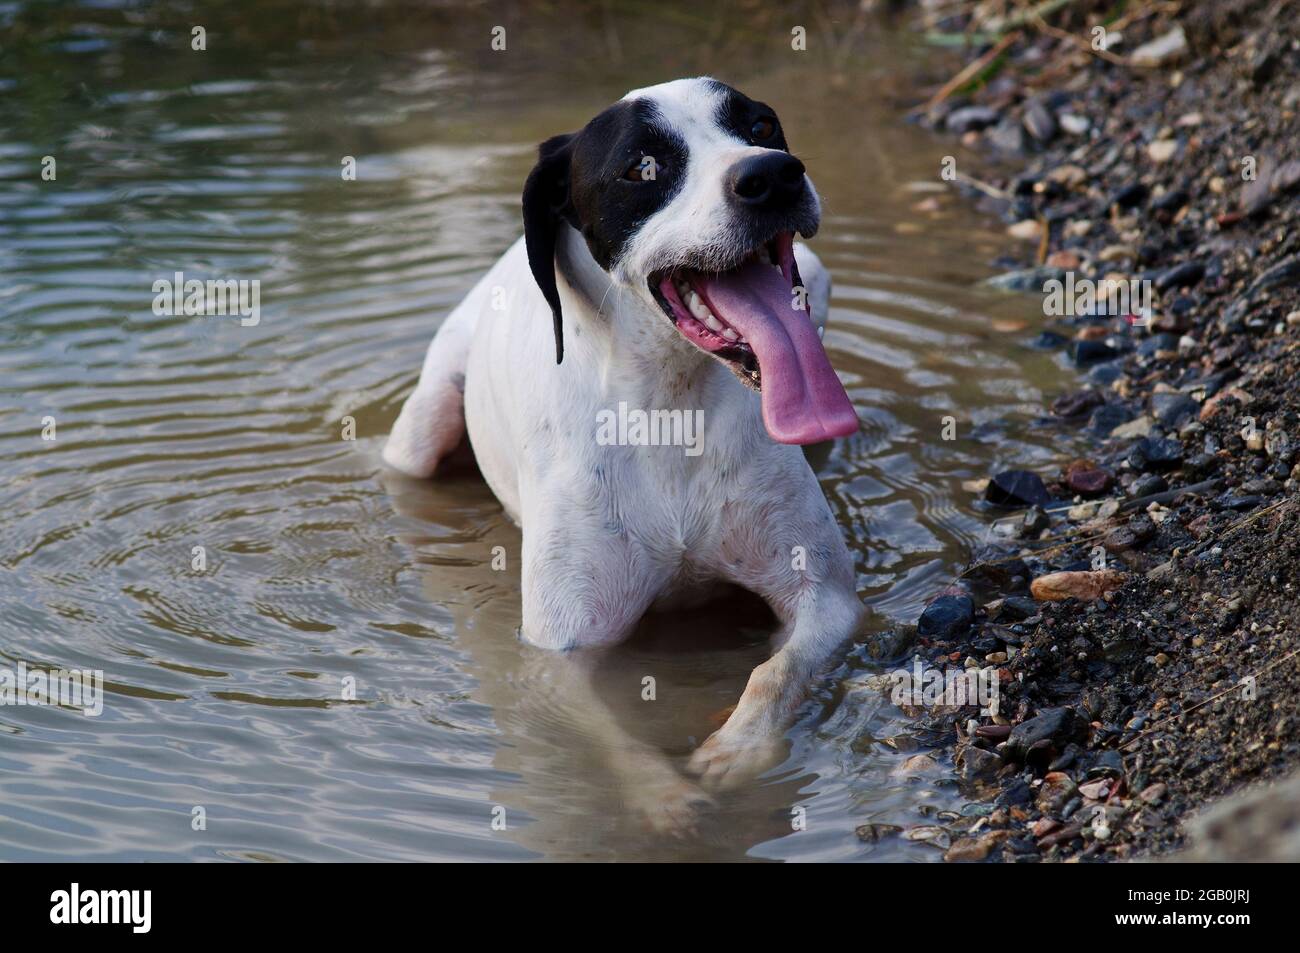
(712, 323)
(729, 334)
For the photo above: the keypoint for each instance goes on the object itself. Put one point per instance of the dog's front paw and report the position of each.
(671, 805)
(729, 759)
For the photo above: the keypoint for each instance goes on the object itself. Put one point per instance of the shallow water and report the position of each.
(225, 687)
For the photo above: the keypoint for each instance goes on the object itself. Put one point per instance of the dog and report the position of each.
(658, 260)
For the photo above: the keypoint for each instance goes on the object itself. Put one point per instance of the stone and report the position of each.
(1017, 488)
(1162, 51)
(946, 617)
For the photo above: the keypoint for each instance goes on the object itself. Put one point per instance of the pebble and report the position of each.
(1138, 427)
(1074, 125)
(1077, 403)
(971, 118)
(1162, 150)
(1155, 454)
(1056, 792)
(1028, 230)
(873, 833)
(1087, 479)
(1029, 279)
(1148, 485)
(976, 763)
(1155, 793)
(935, 836)
(946, 617)
(1162, 51)
(1054, 725)
(1017, 488)
(1087, 585)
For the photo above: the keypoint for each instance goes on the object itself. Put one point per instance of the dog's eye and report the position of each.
(763, 129)
(644, 169)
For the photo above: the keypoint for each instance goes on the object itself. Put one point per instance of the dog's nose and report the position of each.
(772, 178)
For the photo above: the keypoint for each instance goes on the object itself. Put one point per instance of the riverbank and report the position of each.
(1161, 674)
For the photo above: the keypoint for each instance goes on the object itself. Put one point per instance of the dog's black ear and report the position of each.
(546, 198)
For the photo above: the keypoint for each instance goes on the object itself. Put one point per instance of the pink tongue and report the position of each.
(803, 400)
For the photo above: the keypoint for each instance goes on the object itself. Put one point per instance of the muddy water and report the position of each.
(227, 686)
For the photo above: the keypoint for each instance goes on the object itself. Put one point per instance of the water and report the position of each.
(226, 687)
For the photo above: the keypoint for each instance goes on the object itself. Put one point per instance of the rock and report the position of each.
(1044, 826)
(1056, 791)
(929, 834)
(1015, 794)
(1017, 488)
(975, 763)
(1017, 609)
(1083, 353)
(1169, 202)
(1211, 406)
(1152, 454)
(1074, 125)
(968, 849)
(1097, 790)
(1142, 529)
(1087, 585)
(1162, 51)
(1162, 150)
(1057, 726)
(1035, 521)
(1148, 485)
(873, 833)
(1129, 195)
(970, 118)
(891, 643)
(1039, 121)
(1155, 793)
(1107, 417)
(1087, 479)
(1064, 835)
(1139, 427)
(1030, 279)
(1028, 230)
(1186, 275)
(916, 766)
(946, 617)
(1173, 410)
(1008, 136)
(1076, 404)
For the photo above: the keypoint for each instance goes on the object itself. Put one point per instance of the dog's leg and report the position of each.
(565, 691)
(794, 557)
(432, 422)
(751, 740)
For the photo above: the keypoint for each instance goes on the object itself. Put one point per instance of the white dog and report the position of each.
(658, 250)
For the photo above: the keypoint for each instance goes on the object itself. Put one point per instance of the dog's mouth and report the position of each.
(755, 318)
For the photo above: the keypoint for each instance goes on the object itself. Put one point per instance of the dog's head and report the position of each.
(687, 195)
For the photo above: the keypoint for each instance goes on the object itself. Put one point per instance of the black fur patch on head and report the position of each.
(587, 180)
(739, 115)
(609, 197)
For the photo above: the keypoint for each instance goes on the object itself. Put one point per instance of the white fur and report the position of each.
(612, 531)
